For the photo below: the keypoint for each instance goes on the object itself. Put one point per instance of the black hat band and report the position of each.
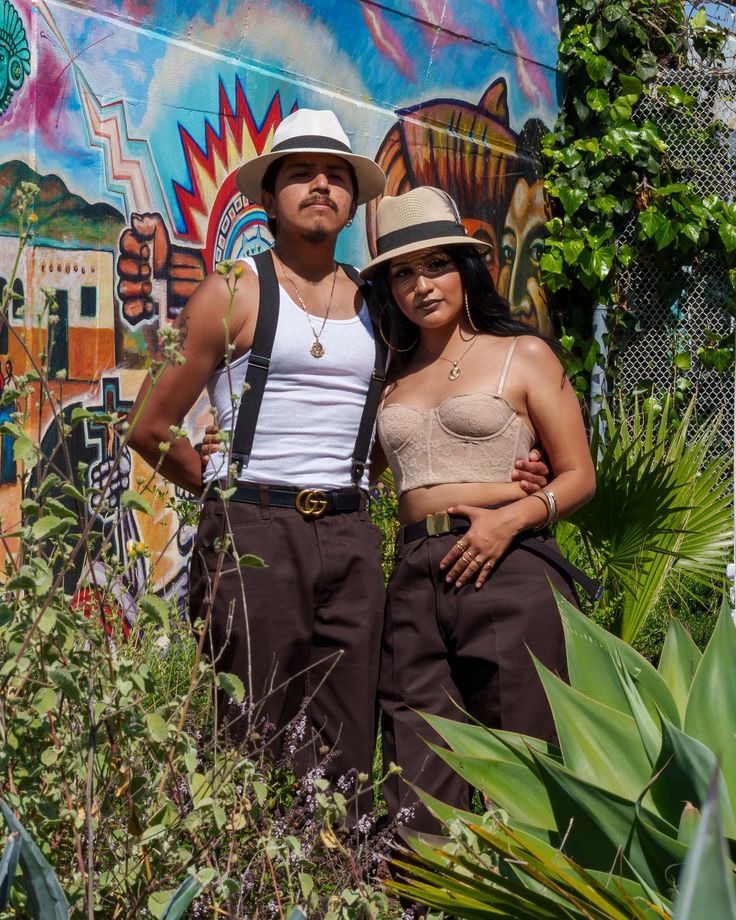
(311, 140)
(433, 229)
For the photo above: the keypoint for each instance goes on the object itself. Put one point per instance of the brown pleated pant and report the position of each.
(312, 631)
(443, 648)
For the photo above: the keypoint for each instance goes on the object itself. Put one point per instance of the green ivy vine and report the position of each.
(616, 194)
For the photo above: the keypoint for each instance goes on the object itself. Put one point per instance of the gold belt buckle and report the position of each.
(311, 503)
(437, 524)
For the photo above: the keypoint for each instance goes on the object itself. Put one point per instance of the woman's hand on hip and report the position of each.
(478, 550)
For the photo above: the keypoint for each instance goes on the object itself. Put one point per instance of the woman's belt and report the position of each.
(435, 525)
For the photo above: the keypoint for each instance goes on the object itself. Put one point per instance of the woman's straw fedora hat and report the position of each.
(418, 219)
(311, 131)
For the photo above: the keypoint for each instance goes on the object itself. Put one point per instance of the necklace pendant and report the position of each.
(455, 371)
(317, 349)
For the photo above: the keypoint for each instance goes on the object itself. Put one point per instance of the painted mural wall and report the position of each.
(132, 117)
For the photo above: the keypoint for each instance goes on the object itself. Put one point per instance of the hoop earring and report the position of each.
(386, 341)
(470, 318)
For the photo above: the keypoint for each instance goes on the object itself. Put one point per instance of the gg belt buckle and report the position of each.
(311, 503)
(437, 524)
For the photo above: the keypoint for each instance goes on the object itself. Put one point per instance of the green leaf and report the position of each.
(250, 561)
(157, 726)
(650, 221)
(597, 67)
(686, 768)
(601, 261)
(513, 787)
(135, 502)
(597, 99)
(47, 526)
(45, 897)
(9, 866)
(232, 685)
(631, 86)
(157, 609)
(297, 913)
(189, 889)
(592, 653)
(699, 20)
(727, 233)
(64, 681)
(621, 108)
(706, 886)
(599, 743)
(646, 66)
(44, 701)
(665, 233)
(683, 360)
(571, 199)
(678, 663)
(571, 250)
(711, 709)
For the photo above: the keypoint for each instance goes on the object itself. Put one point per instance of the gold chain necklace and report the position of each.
(455, 369)
(318, 349)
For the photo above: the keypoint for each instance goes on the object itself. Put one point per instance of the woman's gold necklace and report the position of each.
(318, 349)
(455, 369)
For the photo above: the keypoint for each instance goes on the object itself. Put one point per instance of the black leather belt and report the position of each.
(435, 525)
(310, 503)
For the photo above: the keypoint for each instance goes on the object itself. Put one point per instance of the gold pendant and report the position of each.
(317, 349)
(455, 372)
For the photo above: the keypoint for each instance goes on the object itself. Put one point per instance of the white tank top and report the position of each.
(311, 407)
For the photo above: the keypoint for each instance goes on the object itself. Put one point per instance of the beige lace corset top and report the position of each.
(472, 437)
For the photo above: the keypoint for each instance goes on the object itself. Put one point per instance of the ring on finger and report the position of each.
(488, 565)
(474, 562)
(470, 556)
(461, 546)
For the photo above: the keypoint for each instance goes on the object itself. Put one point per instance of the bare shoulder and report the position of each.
(532, 348)
(534, 361)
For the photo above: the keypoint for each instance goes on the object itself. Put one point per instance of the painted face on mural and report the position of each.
(521, 249)
(313, 195)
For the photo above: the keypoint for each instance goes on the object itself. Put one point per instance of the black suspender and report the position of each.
(260, 359)
(373, 396)
(258, 362)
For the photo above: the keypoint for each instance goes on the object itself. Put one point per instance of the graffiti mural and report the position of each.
(132, 119)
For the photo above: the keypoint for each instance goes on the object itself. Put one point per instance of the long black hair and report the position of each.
(490, 312)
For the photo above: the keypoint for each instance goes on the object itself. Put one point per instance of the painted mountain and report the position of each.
(64, 219)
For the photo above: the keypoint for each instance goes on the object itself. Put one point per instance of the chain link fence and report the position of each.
(680, 311)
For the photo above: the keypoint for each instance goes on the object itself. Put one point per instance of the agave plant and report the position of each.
(601, 825)
(663, 506)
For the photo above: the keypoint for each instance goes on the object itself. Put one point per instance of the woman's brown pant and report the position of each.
(444, 648)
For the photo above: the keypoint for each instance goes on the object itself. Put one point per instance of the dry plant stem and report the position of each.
(275, 883)
(92, 745)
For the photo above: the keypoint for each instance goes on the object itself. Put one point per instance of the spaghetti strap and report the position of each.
(505, 369)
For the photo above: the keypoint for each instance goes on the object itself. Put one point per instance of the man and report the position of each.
(314, 614)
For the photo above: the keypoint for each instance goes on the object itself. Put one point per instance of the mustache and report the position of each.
(318, 199)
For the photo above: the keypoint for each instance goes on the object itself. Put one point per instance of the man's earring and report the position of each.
(349, 223)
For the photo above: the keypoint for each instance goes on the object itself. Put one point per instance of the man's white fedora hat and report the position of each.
(311, 131)
(419, 219)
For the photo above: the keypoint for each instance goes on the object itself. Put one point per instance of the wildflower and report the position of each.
(136, 549)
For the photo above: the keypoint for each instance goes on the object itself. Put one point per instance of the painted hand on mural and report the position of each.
(98, 476)
(147, 256)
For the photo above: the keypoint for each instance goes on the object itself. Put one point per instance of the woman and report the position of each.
(470, 391)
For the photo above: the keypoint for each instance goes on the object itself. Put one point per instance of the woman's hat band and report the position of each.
(431, 230)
